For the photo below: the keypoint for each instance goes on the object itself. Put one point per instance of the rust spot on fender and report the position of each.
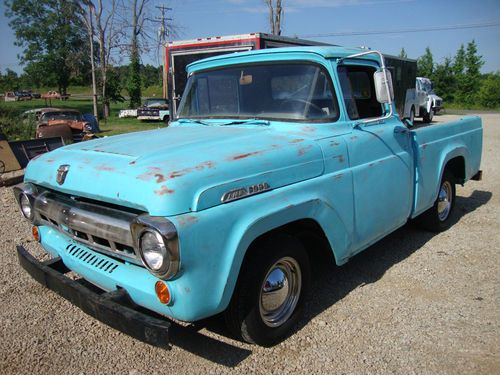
(187, 220)
(340, 158)
(153, 172)
(424, 146)
(206, 164)
(159, 178)
(244, 156)
(48, 160)
(104, 167)
(303, 150)
(297, 140)
(164, 190)
(334, 143)
(308, 129)
(338, 176)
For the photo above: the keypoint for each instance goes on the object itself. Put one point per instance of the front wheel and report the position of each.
(437, 218)
(428, 116)
(270, 292)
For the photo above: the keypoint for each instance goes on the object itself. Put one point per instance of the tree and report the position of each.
(275, 16)
(443, 80)
(138, 20)
(489, 93)
(473, 64)
(459, 75)
(425, 64)
(403, 54)
(459, 62)
(9, 81)
(51, 37)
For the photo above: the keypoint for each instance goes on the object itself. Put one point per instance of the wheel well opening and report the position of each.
(457, 167)
(311, 236)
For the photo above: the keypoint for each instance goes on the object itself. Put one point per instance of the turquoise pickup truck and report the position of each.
(271, 154)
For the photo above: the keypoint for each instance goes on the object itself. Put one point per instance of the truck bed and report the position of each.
(435, 145)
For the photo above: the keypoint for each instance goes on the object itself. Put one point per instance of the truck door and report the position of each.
(380, 156)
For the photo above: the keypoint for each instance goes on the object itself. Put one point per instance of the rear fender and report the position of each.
(449, 154)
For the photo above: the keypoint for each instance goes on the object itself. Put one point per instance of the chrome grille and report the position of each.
(103, 229)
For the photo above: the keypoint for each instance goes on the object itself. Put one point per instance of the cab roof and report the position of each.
(322, 51)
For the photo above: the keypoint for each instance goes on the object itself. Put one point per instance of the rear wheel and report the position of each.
(437, 218)
(270, 292)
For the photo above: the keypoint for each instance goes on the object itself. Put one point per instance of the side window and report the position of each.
(359, 91)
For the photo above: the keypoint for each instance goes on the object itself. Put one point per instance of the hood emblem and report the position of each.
(62, 171)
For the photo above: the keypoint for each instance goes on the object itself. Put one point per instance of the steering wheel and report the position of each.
(307, 103)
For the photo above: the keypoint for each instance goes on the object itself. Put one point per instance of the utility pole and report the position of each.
(163, 33)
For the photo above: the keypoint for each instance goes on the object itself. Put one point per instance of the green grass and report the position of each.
(474, 107)
(155, 91)
(111, 126)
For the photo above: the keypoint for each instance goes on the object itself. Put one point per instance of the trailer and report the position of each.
(179, 54)
(404, 75)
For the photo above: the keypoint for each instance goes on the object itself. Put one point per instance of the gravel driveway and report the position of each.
(413, 303)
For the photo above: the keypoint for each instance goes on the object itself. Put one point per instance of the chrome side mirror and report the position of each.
(383, 86)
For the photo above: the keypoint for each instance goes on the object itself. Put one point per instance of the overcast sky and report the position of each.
(315, 19)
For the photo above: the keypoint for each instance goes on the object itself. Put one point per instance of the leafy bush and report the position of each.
(15, 128)
(489, 93)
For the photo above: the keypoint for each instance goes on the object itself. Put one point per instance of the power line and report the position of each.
(408, 30)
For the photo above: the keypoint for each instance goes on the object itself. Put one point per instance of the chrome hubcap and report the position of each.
(280, 292)
(444, 201)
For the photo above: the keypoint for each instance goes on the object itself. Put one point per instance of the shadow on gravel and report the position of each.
(189, 339)
(330, 284)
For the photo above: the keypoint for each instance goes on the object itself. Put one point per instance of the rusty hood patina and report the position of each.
(182, 168)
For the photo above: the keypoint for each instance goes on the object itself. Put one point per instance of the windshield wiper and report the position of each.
(191, 121)
(251, 121)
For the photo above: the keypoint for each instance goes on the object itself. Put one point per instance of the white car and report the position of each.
(422, 101)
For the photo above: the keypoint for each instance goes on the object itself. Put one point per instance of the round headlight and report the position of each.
(26, 208)
(154, 251)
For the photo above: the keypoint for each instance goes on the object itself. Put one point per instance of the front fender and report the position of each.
(214, 242)
(315, 209)
(429, 104)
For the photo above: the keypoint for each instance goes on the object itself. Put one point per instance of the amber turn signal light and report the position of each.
(162, 292)
(36, 233)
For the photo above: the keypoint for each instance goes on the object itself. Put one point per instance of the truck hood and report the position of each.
(181, 168)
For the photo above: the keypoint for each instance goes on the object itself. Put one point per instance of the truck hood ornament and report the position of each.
(62, 171)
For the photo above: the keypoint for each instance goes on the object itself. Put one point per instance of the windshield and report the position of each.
(285, 91)
(61, 116)
(155, 102)
(426, 85)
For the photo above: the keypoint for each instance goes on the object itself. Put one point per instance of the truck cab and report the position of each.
(273, 157)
